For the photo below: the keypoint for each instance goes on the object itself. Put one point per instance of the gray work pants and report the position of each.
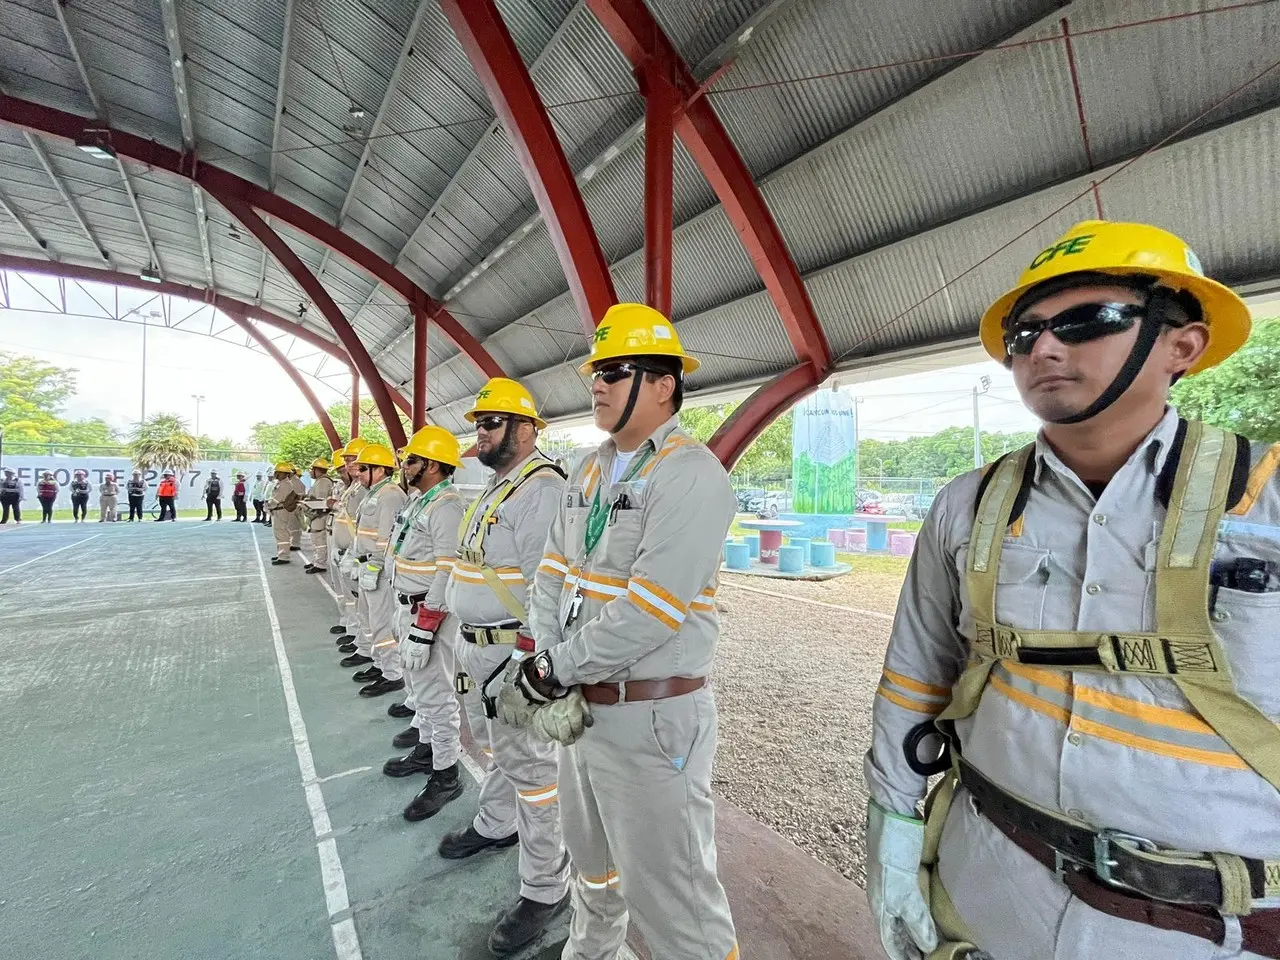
(320, 545)
(342, 590)
(107, 508)
(430, 695)
(378, 608)
(639, 822)
(280, 530)
(519, 788)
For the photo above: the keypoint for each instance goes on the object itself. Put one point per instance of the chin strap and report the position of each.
(632, 397)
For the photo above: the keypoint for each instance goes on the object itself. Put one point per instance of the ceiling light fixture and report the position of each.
(150, 275)
(97, 144)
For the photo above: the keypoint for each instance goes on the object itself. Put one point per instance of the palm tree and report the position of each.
(163, 442)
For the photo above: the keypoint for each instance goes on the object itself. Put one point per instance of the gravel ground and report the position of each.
(794, 683)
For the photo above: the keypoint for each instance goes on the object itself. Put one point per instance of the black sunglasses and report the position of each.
(1073, 326)
(612, 373)
(490, 423)
(363, 468)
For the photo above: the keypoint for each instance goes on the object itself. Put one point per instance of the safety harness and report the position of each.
(1205, 475)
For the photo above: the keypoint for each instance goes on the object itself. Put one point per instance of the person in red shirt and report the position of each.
(238, 499)
(167, 493)
(47, 493)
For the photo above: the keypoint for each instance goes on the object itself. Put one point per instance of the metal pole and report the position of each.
(197, 398)
(143, 418)
(355, 403)
(977, 434)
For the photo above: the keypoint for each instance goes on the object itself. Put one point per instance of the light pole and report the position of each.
(981, 387)
(198, 398)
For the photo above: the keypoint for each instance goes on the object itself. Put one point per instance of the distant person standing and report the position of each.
(213, 495)
(80, 496)
(318, 517)
(167, 493)
(137, 491)
(11, 496)
(268, 489)
(259, 497)
(283, 503)
(237, 499)
(108, 492)
(47, 493)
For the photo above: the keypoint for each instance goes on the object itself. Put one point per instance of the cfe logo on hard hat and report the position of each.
(483, 394)
(1064, 247)
(602, 333)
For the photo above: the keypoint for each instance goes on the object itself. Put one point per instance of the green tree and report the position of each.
(270, 437)
(79, 438)
(31, 395)
(305, 444)
(1243, 392)
(768, 457)
(163, 441)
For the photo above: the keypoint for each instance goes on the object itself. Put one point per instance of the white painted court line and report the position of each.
(875, 614)
(24, 563)
(346, 942)
(344, 773)
(140, 583)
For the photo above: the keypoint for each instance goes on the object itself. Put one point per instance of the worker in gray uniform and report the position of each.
(318, 517)
(500, 546)
(1090, 623)
(425, 549)
(625, 619)
(376, 604)
(344, 505)
(282, 507)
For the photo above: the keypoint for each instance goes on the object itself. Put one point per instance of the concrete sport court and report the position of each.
(188, 774)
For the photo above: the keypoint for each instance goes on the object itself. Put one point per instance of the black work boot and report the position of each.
(338, 629)
(355, 660)
(366, 676)
(405, 738)
(459, 844)
(296, 549)
(345, 639)
(399, 711)
(314, 569)
(417, 761)
(382, 686)
(347, 647)
(523, 924)
(440, 789)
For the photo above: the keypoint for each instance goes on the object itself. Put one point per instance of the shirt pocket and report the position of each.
(1022, 584)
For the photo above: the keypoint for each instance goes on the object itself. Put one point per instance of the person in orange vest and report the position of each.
(167, 492)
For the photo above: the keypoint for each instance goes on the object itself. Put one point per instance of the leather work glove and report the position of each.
(564, 720)
(521, 693)
(894, 846)
(415, 648)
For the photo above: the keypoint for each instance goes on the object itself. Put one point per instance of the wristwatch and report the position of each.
(543, 669)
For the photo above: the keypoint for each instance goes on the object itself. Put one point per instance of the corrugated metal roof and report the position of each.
(907, 162)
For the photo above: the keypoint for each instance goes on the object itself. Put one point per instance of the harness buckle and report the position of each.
(1102, 844)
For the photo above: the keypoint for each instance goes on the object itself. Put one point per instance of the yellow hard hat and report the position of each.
(319, 463)
(337, 456)
(435, 443)
(1103, 246)
(501, 395)
(284, 466)
(377, 455)
(355, 446)
(635, 330)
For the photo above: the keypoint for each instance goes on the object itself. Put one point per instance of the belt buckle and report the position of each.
(1102, 843)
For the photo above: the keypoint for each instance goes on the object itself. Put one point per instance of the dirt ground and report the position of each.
(794, 683)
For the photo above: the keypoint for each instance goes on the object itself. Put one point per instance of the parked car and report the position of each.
(763, 503)
(869, 501)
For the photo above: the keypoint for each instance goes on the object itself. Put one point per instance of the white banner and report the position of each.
(190, 485)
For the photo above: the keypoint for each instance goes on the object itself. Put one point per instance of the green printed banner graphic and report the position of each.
(824, 454)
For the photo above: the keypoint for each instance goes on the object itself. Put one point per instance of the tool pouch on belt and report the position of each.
(370, 574)
(463, 683)
(347, 566)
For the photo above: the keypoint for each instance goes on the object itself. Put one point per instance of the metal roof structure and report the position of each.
(847, 179)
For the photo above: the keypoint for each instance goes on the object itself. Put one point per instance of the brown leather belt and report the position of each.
(609, 694)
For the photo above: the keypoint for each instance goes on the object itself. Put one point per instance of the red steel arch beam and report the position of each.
(419, 416)
(227, 305)
(496, 61)
(227, 187)
(760, 409)
(303, 387)
(640, 38)
(311, 285)
(355, 403)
